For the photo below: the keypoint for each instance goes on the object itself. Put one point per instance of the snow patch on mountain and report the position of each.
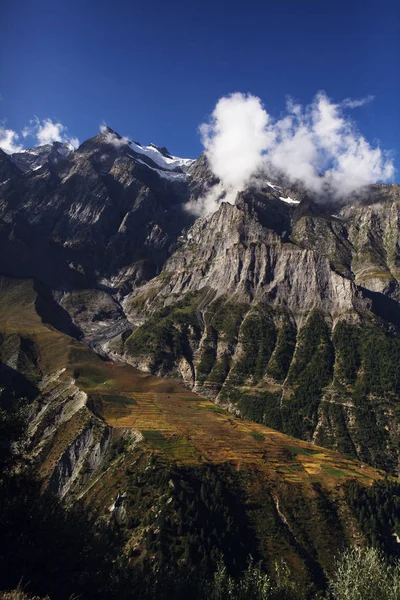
(289, 200)
(171, 175)
(159, 157)
(167, 163)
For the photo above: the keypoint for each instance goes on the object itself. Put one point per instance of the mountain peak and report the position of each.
(105, 129)
(162, 150)
(32, 159)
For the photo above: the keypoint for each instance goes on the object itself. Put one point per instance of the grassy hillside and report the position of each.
(192, 478)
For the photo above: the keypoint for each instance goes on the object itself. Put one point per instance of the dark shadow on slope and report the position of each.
(384, 307)
(16, 384)
(26, 253)
(52, 313)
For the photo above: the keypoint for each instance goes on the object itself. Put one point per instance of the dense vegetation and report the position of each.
(377, 509)
(368, 376)
(281, 358)
(310, 372)
(198, 516)
(259, 406)
(257, 338)
(365, 575)
(174, 331)
(192, 532)
(373, 348)
(166, 333)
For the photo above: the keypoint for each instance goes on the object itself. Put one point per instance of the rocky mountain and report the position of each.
(106, 211)
(282, 270)
(35, 158)
(281, 309)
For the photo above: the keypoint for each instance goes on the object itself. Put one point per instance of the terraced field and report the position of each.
(185, 428)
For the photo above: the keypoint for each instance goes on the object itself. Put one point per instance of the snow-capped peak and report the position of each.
(160, 157)
(162, 160)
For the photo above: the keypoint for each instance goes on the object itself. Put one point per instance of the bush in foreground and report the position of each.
(365, 575)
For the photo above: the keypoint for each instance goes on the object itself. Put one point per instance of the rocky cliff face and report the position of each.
(234, 254)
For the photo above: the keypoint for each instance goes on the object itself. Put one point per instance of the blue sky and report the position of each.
(155, 70)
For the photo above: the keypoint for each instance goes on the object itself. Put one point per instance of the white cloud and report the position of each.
(27, 131)
(210, 202)
(350, 103)
(235, 138)
(74, 142)
(9, 140)
(46, 131)
(316, 145)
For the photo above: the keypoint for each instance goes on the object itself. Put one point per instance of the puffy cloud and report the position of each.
(317, 145)
(235, 138)
(46, 131)
(9, 140)
(210, 202)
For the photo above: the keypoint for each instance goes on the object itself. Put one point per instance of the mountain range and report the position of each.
(241, 368)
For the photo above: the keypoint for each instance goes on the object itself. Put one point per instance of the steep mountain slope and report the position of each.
(136, 446)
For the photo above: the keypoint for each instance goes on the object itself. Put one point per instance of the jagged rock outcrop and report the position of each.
(233, 254)
(66, 441)
(83, 456)
(35, 158)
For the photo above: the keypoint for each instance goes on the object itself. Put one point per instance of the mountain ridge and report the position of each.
(244, 364)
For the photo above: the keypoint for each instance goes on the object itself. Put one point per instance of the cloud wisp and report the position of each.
(113, 138)
(356, 103)
(316, 145)
(43, 132)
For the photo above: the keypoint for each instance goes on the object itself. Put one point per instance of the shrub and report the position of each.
(365, 575)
